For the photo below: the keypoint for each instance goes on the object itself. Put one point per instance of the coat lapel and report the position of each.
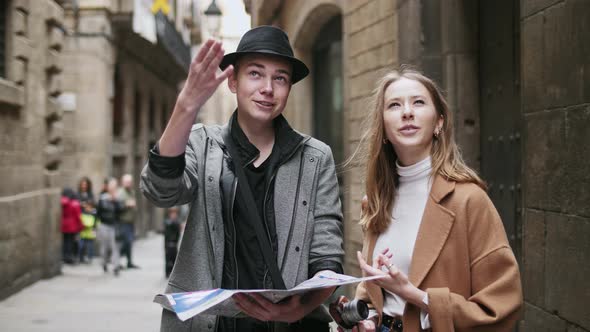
(434, 231)
(374, 291)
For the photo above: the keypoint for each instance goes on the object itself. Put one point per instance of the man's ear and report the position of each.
(232, 82)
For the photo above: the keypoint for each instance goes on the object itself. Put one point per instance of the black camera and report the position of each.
(352, 312)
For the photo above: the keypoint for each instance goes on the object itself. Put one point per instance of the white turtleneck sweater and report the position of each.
(410, 200)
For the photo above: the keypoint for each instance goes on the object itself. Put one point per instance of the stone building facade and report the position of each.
(120, 87)
(516, 76)
(82, 93)
(31, 132)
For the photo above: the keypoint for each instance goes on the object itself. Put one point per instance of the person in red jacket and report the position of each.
(71, 223)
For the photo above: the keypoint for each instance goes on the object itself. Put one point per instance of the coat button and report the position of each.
(304, 203)
(297, 249)
(210, 178)
(311, 159)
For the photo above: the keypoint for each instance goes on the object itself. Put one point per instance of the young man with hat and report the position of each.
(291, 178)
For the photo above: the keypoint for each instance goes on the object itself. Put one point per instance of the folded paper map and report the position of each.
(219, 301)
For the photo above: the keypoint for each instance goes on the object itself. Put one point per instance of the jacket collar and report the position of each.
(287, 140)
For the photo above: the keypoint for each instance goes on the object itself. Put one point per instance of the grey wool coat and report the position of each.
(307, 214)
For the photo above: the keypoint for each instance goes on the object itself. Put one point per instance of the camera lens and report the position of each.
(354, 312)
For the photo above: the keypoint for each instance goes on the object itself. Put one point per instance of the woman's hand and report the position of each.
(395, 281)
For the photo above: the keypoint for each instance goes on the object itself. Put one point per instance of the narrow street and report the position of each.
(84, 298)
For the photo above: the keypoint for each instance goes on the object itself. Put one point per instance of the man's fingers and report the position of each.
(203, 51)
(210, 56)
(251, 307)
(227, 72)
(248, 310)
(261, 301)
(216, 60)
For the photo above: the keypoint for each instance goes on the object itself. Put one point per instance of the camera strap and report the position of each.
(246, 196)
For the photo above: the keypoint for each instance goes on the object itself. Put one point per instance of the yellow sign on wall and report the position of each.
(160, 6)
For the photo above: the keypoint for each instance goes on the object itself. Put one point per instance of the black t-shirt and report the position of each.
(250, 262)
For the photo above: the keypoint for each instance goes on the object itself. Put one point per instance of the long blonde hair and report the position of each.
(381, 177)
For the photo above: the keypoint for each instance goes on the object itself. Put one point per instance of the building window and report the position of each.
(3, 38)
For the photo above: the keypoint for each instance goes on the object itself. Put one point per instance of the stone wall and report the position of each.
(556, 111)
(30, 144)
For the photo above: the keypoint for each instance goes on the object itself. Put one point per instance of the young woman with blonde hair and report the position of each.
(429, 227)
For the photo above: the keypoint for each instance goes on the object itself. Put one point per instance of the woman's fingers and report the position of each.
(366, 267)
(361, 260)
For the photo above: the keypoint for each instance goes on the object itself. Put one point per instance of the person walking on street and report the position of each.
(128, 215)
(172, 229)
(88, 233)
(85, 193)
(108, 210)
(291, 177)
(71, 224)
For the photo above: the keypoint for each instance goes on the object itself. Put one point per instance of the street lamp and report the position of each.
(213, 14)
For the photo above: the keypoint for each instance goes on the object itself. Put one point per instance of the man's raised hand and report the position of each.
(203, 78)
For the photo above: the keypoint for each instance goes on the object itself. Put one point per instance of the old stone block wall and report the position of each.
(31, 130)
(88, 79)
(556, 111)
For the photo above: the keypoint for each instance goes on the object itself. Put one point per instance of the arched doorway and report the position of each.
(327, 87)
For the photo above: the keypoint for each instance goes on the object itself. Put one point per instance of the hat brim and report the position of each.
(300, 70)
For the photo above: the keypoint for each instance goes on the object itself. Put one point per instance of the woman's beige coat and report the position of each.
(462, 260)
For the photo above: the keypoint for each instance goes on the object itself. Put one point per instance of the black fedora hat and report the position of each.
(270, 40)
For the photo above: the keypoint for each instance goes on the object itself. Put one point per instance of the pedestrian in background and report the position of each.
(128, 215)
(71, 224)
(85, 193)
(88, 233)
(108, 210)
(172, 230)
(429, 227)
